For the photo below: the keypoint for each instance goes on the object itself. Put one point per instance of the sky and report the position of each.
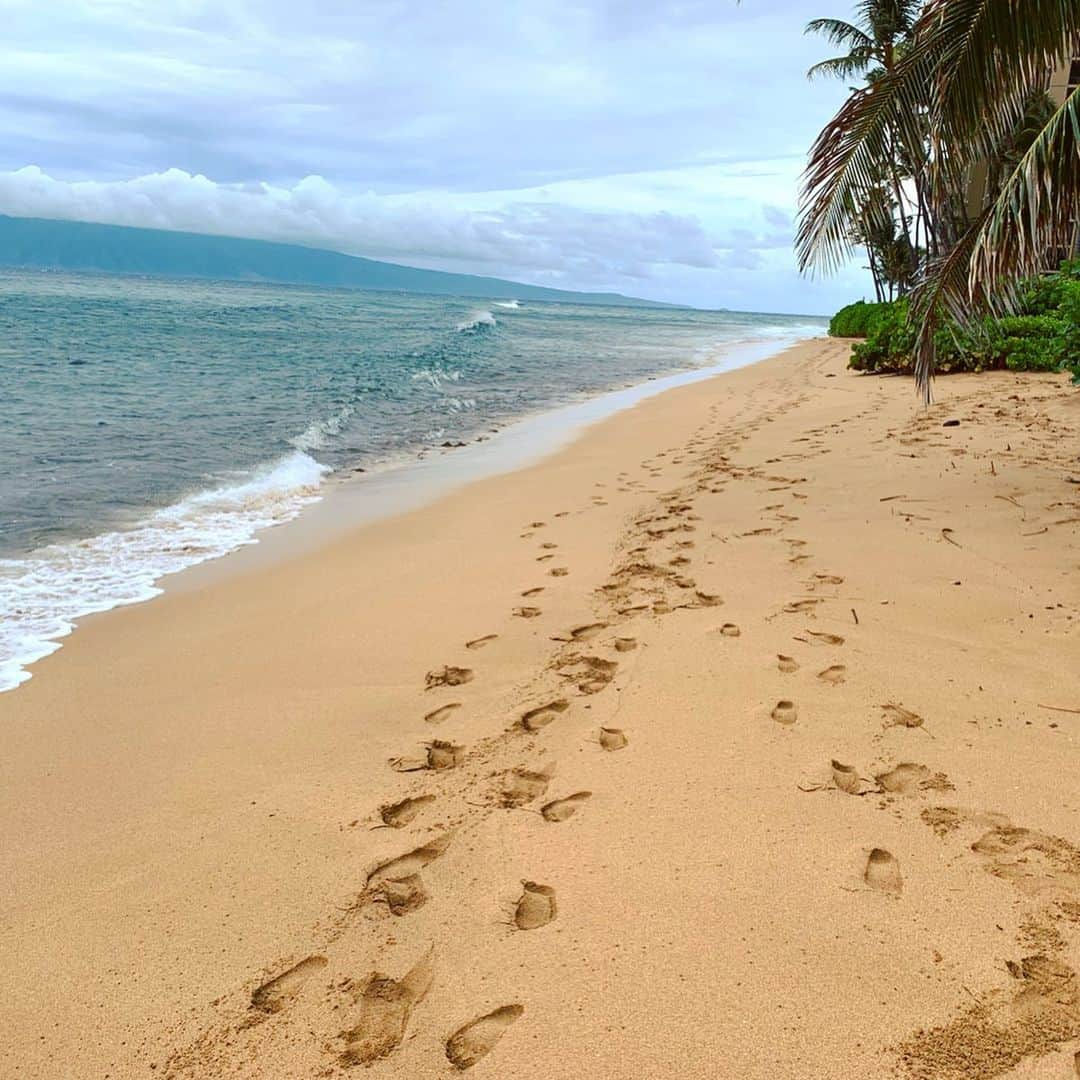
(648, 147)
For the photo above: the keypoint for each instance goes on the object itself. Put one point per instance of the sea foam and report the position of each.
(42, 594)
(477, 320)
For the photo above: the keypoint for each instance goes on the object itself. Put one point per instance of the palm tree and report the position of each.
(963, 87)
(874, 42)
(881, 31)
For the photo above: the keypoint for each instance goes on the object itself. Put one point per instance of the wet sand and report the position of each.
(736, 739)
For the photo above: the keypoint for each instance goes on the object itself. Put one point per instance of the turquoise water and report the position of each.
(146, 425)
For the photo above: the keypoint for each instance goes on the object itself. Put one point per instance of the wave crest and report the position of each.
(45, 592)
(477, 321)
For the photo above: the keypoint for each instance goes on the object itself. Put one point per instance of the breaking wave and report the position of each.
(43, 593)
(477, 321)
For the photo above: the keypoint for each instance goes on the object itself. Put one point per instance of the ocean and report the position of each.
(148, 425)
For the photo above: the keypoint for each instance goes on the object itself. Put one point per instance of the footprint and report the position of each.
(524, 785)
(829, 579)
(833, 675)
(613, 738)
(385, 1007)
(478, 1037)
(527, 612)
(559, 571)
(705, 599)
(548, 546)
(588, 632)
(825, 639)
(544, 558)
(440, 755)
(563, 809)
(846, 778)
(437, 716)
(448, 676)
(729, 629)
(399, 814)
(444, 755)
(784, 712)
(1036, 863)
(533, 592)
(589, 673)
(909, 778)
(800, 606)
(542, 715)
(480, 642)
(787, 664)
(401, 895)
(883, 872)
(274, 995)
(625, 644)
(536, 907)
(404, 866)
(898, 716)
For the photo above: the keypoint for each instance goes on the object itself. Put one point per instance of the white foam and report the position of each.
(316, 433)
(477, 320)
(435, 377)
(43, 594)
(513, 305)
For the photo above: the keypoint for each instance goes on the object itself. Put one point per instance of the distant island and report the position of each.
(40, 244)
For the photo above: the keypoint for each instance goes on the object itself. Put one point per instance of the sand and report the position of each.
(738, 739)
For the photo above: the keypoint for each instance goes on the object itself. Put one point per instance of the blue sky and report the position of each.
(652, 148)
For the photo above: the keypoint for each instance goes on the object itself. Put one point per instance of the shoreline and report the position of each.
(800, 648)
(342, 501)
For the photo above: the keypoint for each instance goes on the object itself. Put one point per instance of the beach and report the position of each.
(734, 739)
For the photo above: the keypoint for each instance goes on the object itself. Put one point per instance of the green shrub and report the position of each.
(1044, 337)
(889, 341)
(856, 320)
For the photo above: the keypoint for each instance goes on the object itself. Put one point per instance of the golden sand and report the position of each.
(738, 739)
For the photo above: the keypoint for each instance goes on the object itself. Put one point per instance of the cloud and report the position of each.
(649, 146)
(525, 237)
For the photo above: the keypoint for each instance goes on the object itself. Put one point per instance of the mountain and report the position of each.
(36, 243)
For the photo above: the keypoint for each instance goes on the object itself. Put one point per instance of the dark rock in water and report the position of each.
(452, 445)
(359, 469)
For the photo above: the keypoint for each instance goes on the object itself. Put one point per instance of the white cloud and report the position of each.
(648, 146)
(526, 235)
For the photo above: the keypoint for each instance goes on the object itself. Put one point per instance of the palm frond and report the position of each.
(842, 67)
(846, 159)
(1035, 215)
(1026, 229)
(989, 56)
(838, 32)
(943, 290)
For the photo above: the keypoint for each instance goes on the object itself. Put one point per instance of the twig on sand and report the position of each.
(855, 616)
(1058, 708)
(946, 534)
